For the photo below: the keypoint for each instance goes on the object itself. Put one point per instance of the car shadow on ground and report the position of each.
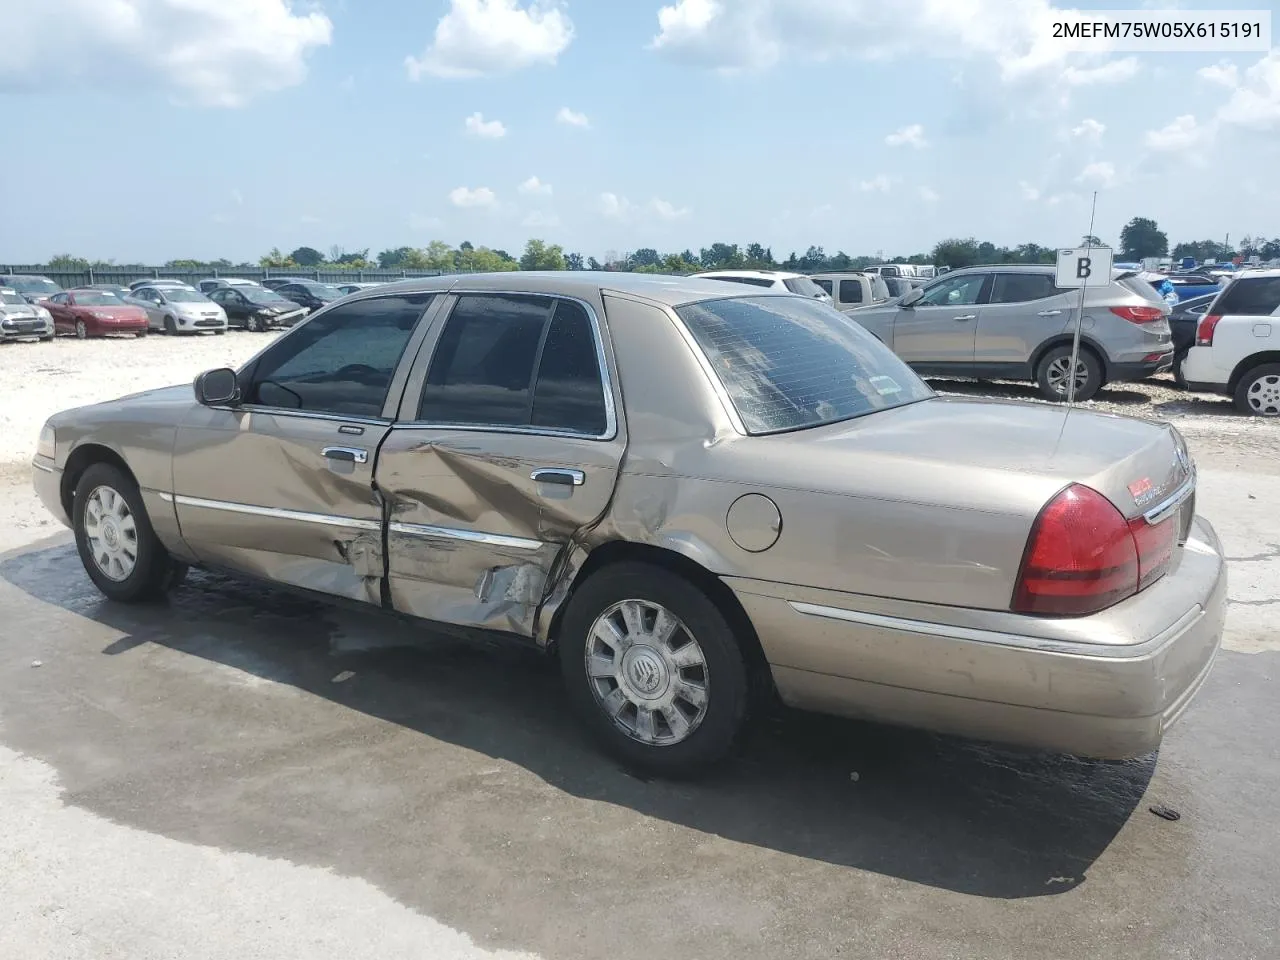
(1183, 404)
(943, 812)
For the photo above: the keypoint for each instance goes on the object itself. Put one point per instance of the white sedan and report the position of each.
(178, 310)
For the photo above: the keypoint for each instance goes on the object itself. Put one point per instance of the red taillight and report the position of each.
(1083, 556)
(1204, 329)
(1138, 314)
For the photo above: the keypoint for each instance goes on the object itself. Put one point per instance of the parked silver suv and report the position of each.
(1010, 322)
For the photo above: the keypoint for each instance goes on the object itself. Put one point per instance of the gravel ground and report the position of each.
(40, 379)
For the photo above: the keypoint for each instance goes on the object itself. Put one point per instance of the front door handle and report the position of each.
(1049, 313)
(561, 475)
(967, 316)
(348, 454)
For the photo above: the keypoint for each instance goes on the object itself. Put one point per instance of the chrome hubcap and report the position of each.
(1057, 374)
(647, 672)
(1264, 396)
(111, 532)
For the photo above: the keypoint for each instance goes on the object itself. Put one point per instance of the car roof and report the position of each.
(1269, 273)
(664, 289)
(758, 274)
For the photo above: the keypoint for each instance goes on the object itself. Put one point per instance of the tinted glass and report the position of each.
(1250, 297)
(788, 363)
(803, 286)
(30, 287)
(482, 369)
(341, 362)
(88, 299)
(954, 291)
(825, 285)
(1021, 287)
(12, 298)
(569, 394)
(185, 296)
(261, 295)
(1135, 284)
(850, 291)
(754, 281)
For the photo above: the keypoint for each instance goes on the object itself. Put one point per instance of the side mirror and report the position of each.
(914, 296)
(216, 388)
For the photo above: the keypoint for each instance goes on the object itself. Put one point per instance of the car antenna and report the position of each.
(1075, 340)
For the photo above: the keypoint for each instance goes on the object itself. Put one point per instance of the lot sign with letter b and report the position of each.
(1084, 266)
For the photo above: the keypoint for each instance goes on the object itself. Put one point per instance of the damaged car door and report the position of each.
(280, 483)
(507, 451)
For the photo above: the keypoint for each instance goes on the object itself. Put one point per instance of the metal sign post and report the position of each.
(1082, 267)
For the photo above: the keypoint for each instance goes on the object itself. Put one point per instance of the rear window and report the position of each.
(754, 281)
(1249, 297)
(803, 286)
(1135, 284)
(788, 363)
(824, 284)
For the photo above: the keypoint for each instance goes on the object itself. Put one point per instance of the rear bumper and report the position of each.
(1111, 699)
(1202, 374)
(1140, 370)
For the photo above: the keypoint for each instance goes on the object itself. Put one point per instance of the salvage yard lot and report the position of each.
(288, 766)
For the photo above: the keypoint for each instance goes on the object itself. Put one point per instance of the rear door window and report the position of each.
(1022, 287)
(1249, 297)
(850, 291)
(825, 285)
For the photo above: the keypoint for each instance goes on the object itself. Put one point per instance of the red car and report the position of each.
(94, 313)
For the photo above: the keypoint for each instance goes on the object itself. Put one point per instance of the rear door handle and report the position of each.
(1049, 313)
(560, 475)
(967, 316)
(348, 454)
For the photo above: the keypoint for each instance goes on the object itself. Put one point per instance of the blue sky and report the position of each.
(143, 130)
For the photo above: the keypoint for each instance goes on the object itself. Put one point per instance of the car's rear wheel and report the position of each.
(82, 332)
(117, 545)
(1258, 392)
(653, 668)
(1054, 373)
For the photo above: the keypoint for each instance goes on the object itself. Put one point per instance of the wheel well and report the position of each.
(1248, 363)
(620, 551)
(1063, 340)
(81, 459)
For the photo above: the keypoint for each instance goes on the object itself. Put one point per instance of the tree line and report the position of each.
(1141, 237)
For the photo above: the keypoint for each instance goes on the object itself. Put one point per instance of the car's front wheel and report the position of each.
(118, 547)
(170, 326)
(1258, 392)
(253, 324)
(1054, 374)
(653, 668)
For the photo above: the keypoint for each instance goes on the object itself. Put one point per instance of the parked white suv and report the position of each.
(796, 283)
(1237, 345)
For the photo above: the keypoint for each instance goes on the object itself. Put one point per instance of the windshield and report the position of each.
(98, 299)
(38, 287)
(262, 295)
(803, 286)
(322, 290)
(12, 298)
(183, 296)
(788, 363)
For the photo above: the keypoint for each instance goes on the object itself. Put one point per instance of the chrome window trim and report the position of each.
(704, 362)
(302, 414)
(429, 532)
(274, 513)
(602, 363)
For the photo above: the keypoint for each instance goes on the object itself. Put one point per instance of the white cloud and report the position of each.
(468, 197)
(1224, 74)
(535, 186)
(1255, 103)
(1100, 174)
(572, 118)
(479, 38)
(213, 53)
(1028, 191)
(909, 136)
(1089, 129)
(877, 184)
(1013, 35)
(928, 194)
(667, 211)
(1115, 71)
(614, 206)
(478, 126)
(1183, 132)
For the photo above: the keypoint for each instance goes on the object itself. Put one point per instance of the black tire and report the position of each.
(155, 572)
(140, 334)
(1258, 392)
(1054, 388)
(253, 324)
(723, 675)
(47, 339)
(1178, 378)
(170, 326)
(220, 332)
(82, 331)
